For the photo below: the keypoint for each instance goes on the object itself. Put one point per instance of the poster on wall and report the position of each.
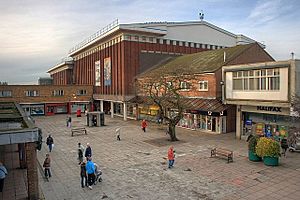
(107, 71)
(97, 73)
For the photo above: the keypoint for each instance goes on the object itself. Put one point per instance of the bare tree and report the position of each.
(167, 93)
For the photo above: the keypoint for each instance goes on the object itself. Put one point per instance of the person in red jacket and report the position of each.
(144, 125)
(171, 156)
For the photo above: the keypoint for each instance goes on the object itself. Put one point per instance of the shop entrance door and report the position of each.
(213, 124)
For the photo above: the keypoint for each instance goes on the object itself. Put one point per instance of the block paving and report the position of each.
(136, 166)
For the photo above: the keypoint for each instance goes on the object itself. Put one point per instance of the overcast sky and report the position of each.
(36, 34)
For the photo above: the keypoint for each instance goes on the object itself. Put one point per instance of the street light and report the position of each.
(70, 98)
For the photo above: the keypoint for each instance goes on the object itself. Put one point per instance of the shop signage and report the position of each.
(269, 108)
(249, 122)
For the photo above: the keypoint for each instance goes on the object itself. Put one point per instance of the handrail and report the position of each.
(98, 34)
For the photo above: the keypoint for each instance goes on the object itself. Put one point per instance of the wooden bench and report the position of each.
(78, 130)
(222, 152)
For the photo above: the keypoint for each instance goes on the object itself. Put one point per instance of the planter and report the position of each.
(271, 161)
(253, 157)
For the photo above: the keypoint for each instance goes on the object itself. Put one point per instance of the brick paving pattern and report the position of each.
(136, 166)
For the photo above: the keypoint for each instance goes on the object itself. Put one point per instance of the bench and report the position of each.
(222, 152)
(78, 130)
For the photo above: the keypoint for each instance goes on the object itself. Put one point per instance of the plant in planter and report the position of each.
(269, 150)
(252, 149)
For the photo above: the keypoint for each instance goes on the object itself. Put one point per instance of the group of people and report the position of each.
(47, 161)
(89, 171)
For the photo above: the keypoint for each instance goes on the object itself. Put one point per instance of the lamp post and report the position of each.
(70, 106)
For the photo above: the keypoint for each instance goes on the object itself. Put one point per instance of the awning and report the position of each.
(192, 105)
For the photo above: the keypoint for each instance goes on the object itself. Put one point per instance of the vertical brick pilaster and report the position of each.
(32, 171)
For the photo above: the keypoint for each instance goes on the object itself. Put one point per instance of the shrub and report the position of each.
(267, 147)
(252, 143)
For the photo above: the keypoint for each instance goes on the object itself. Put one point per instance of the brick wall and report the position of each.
(32, 171)
(45, 93)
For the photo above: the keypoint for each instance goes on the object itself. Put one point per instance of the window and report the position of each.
(150, 39)
(5, 93)
(143, 38)
(184, 85)
(32, 93)
(136, 37)
(203, 85)
(58, 93)
(81, 92)
(264, 79)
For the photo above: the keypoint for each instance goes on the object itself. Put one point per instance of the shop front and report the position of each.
(34, 109)
(148, 112)
(265, 120)
(56, 108)
(204, 121)
(79, 106)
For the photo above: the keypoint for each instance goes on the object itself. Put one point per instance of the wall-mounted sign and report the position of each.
(97, 73)
(249, 122)
(269, 108)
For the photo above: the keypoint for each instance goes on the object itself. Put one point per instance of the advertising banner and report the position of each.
(107, 71)
(97, 73)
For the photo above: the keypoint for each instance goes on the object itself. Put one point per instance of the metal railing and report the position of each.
(99, 33)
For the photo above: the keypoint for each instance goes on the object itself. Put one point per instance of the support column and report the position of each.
(238, 122)
(125, 111)
(112, 109)
(32, 171)
(101, 105)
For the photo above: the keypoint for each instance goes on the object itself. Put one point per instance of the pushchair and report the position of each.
(98, 174)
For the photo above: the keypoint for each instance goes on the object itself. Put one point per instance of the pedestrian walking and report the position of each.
(90, 170)
(171, 156)
(69, 122)
(80, 153)
(88, 151)
(50, 142)
(46, 166)
(284, 145)
(144, 125)
(3, 174)
(118, 133)
(83, 176)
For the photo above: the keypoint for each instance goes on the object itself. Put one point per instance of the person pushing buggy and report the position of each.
(98, 174)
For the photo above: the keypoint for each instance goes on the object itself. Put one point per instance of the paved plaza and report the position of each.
(136, 166)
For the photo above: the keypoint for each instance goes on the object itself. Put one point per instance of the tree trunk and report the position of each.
(172, 132)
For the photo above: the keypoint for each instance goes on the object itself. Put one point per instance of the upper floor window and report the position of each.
(262, 79)
(32, 93)
(5, 93)
(203, 85)
(144, 38)
(58, 93)
(184, 85)
(81, 92)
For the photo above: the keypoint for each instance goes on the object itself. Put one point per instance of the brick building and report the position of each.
(48, 99)
(203, 92)
(111, 58)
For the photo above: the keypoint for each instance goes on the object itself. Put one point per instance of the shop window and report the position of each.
(143, 38)
(238, 84)
(203, 85)
(32, 93)
(5, 93)
(136, 37)
(58, 93)
(81, 92)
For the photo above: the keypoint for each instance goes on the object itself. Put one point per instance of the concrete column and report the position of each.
(112, 109)
(101, 105)
(125, 111)
(32, 171)
(238, 122)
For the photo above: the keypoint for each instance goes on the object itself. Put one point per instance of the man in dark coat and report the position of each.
(50, 142)
(88, 151)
